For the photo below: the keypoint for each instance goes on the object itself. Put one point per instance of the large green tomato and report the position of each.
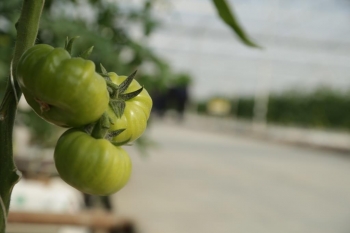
(93, 166)
(136, 113)
(63, 90)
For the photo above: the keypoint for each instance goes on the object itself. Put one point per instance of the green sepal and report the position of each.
(126, 83)
(117, 90)
(86, 54)
(104, 72)
(106, 77)
(69, 44)
(110, 90)
(88, 128)
(118, 107)
(112, 85)
(110, 121)
(130, 95)
(105, 121)
(114, 133)
(120, 143)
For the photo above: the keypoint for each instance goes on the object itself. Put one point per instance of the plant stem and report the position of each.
(101, 127)
(27, 30)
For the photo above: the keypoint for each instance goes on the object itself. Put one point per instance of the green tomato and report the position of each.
(136, 113)
(93, 166)
(63, 90)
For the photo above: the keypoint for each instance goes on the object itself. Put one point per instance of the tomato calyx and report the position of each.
(100, 129)
(118, 104)
(116, 92)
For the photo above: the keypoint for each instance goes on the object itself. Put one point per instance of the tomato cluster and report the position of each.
(102, 110)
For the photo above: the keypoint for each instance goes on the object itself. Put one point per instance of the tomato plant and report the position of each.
(63, 90)
(93, 166)
(135, 112)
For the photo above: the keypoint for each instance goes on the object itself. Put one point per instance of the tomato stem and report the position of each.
(27, 30)
(101, 127)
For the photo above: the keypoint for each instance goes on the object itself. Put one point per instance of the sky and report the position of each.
(306, 44)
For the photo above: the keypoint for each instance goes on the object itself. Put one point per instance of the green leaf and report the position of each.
(229, 18)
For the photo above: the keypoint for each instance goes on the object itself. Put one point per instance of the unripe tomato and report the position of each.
(136, 113)
(63, 90)
(93, 166)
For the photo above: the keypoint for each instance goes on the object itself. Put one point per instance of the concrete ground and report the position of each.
(198, 181)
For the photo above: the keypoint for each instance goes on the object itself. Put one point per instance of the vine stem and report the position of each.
(101, 127)
(27, 30)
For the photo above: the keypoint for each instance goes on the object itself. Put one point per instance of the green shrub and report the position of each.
(322, 108)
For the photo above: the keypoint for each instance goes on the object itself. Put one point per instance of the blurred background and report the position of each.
(241, 139)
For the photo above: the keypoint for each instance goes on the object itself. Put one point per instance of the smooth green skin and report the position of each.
(136, 113)
(63, 90)
(93, 166)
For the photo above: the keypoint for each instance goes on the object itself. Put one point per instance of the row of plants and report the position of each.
(321, 108)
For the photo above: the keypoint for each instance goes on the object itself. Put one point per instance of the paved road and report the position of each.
(204, 182)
